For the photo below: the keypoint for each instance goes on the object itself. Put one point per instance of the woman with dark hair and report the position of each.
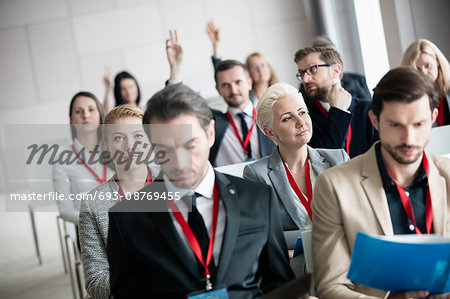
(126, 90)
(87, 172)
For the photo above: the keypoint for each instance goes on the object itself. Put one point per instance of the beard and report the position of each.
(235, 100)
(394, 152)
(320, 93)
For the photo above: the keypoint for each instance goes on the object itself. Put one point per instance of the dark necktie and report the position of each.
(197, 225)
(245, 132)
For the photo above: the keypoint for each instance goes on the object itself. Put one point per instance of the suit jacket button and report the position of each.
(232, 191)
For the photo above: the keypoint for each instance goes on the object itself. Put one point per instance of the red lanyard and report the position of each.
(440, 118)
(305, 201)
(90, 169)
(406, 202)
(249, 134)
(122, 194)
(349, 132)
(191, 237)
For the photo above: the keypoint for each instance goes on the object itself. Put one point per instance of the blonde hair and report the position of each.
(273, 77)
(420, 46)
(273, 94)
(121, 111)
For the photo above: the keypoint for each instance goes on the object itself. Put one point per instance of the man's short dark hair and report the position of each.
(175, 100)
(403, 84)
(229, 64)
(328, 54)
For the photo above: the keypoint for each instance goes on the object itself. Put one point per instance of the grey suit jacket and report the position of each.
(270, 170)
(93, 231)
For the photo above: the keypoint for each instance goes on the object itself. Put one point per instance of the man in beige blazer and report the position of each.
(362, 195)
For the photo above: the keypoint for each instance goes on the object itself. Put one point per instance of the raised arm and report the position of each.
(108, 102)
(174, 52)
(214, 36)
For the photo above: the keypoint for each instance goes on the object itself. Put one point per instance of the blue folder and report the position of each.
(401, 262)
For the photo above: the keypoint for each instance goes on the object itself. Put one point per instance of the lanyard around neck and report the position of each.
(100, 180)
(246, 140)
(148, 180)
(407, 206)
(193, 240)
(305, 201)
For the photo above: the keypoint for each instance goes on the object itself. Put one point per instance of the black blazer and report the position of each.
(266, 145)
(148, 258)
(332, 132)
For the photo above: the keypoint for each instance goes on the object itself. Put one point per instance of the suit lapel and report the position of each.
(318, 163)
(278, 177)
(166, 227)
(228, 195)
(437, 191)
(164, 223)
(373, 187)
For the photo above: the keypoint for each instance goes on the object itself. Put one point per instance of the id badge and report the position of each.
(217, 293)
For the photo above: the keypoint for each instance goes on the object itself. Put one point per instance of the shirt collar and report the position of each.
(325, 105)
(388, 182)
(205, 188)
(247, 109)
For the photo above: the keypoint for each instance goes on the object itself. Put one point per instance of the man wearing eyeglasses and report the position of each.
(339, 120)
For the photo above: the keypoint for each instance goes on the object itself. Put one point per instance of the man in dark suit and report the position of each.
(233, 83)
(154, 255)
(339, 119)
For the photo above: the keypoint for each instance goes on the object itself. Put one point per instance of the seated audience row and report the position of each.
(232, 236)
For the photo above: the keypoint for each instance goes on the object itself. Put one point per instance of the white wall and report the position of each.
(50, 49)
(408, 20)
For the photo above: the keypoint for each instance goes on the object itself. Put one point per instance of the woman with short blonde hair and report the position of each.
(127, 145)
(293, 166)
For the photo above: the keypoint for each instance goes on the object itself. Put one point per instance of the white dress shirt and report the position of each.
(230, 150)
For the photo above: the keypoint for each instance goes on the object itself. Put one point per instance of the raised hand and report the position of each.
(214, 36)
(339, 97)
(174, 52)
(108, 77)
(108, 102)
(213, 32)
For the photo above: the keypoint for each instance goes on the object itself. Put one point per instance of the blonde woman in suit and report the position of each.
(124, 139)
(293, 166)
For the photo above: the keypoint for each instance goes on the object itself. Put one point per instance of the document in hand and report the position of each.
(401, 262)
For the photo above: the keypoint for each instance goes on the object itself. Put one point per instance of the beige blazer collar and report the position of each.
(373, 187)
